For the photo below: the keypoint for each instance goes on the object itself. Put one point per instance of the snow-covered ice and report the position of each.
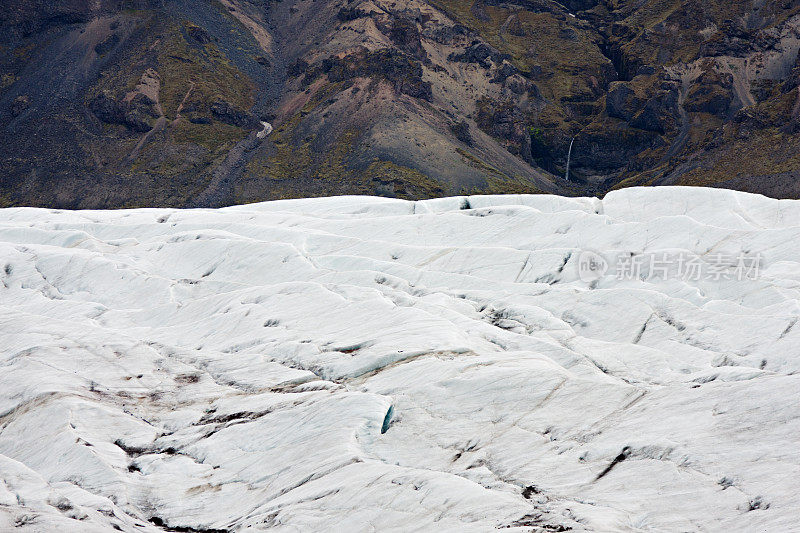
(369, 364)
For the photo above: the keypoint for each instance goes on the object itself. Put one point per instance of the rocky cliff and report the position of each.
(116, 103)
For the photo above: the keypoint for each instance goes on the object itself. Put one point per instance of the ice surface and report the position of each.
(369, 364)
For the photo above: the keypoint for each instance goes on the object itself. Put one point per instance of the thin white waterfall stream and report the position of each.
(569, 158)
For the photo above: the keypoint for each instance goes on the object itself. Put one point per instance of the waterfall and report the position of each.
(569, 158)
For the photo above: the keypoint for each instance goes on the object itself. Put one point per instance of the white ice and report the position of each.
(367, 364)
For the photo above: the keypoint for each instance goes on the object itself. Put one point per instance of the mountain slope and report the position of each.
(89, 139)
(363, 364)
(150, 102)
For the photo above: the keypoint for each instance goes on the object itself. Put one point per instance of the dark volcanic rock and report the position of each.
(107, 44)
(136, 114)
(505, 120)
(461, 131)
(732, 39)
(651, 107)
(480, 53)
(138, 121)
(298, 68)
(404, 33)
(230, 114)
(199, 34)
(505, 70)
(658, 113)
(519, 85)
(346, 14)
(622, 101)
(711, 93)
(404, 73)
(763, 89)
(444, 34)
(107, 109)
(611, 148)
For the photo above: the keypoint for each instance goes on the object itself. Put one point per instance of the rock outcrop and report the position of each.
(452, 96)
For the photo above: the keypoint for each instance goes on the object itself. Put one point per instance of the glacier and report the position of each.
(373, 364)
